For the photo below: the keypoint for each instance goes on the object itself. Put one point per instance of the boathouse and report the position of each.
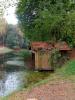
(63, 48)
(41, 55)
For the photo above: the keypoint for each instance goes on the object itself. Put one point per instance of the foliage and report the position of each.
(4, 4)
(47, 19)
(12, 37)
(3, 26)
(54, 58)
(25, 54)
(57, 58)
(69, 29)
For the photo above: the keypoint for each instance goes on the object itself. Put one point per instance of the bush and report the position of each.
(70, 40)
(57, 59)
(25, 54)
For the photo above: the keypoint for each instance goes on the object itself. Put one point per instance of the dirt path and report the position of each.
(57, 91)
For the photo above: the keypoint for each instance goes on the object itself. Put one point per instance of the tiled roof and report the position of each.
(62, 46)
(41, 45)
(49, 46)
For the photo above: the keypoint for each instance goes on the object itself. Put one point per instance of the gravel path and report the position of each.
(57, 91)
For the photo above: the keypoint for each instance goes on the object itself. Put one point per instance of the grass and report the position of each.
(67, 70)
(34, 77)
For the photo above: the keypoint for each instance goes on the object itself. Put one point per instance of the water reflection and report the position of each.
(14, 77)
(11, 76)
(10, 82)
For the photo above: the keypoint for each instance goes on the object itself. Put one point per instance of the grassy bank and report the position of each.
(66, 72)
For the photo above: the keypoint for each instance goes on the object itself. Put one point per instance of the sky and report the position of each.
(9, 11)
(11, 16)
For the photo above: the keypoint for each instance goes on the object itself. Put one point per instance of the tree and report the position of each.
(44, 20)
(68, 29)
(3, 26)
(12, 38)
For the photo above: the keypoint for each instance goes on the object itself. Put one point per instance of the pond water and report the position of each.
(10, 82)
(13, 76)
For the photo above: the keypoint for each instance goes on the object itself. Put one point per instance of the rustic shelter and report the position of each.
(63, 48)
(41, 55)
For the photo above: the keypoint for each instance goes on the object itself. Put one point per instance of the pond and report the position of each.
(13, 76)
(10, 82)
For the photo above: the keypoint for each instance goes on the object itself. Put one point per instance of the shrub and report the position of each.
(25, 54)
(57, 59)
